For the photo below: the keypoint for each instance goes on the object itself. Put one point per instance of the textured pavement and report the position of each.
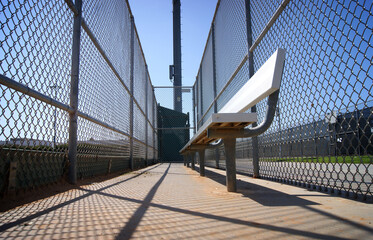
(170, 201)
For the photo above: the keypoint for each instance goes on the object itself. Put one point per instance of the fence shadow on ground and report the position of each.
(68, 202)
(270, 197)
(262, 195)
(113, 206)
(27, 196)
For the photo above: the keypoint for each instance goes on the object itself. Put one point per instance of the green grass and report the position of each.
(326, 159)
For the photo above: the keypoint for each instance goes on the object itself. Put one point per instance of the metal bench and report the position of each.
(230, 122)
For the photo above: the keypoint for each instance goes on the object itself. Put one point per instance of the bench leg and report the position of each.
(184, 159)
(187, 160)
(192, 157)
(201, 154)
(217, 156)
(230, 163)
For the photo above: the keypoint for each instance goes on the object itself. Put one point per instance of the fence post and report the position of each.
(154, 126)
(74, 91)
(217, 154)
(197, 101)
(214, 66)
(146, 113)
(131, 90)
(194, 109)
(251, 73)
(201, 92)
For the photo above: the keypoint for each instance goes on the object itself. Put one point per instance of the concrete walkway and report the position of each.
(170, 201)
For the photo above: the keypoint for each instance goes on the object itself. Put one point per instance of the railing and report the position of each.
(321, 137)
(61, 62)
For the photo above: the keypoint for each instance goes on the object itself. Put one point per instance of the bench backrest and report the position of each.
(264, 82)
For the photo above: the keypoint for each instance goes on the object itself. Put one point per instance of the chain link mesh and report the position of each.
(321, 136)
(35, 51)
(230, 49)
(33, 133)
(110, 23)
(207, 76)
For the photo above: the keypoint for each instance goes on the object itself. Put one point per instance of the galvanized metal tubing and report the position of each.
(131, 90)
(74, 92)
(255, 143)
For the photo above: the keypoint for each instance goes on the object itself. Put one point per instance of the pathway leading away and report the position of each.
(170, 201)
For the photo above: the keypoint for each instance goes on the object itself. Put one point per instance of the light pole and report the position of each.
(55, 87)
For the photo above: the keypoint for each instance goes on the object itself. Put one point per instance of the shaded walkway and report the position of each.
(170, 201)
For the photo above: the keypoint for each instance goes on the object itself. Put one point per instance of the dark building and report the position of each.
(173, 134)
(353, 133)
(343, 134)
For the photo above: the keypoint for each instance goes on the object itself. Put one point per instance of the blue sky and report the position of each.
(153, 19)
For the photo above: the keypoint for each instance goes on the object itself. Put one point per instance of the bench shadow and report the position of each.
(262, 195)
(271, 197)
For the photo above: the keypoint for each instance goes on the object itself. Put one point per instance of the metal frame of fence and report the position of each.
(322, 134)
(63, 62)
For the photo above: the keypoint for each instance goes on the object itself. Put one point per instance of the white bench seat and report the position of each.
(232, 117)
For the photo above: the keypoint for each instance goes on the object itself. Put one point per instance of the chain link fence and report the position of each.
(321, 137)
(116, 114)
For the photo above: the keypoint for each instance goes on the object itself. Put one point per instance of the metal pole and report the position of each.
(146, 113)
(131, 90)
(74, 91)
(177, 56)
(214, 66)
(154, 126)
(194, 109)
(217, 154)
(255, 144)
(192, 160)
(197, 105)
(280, 132)
(201, 154)
(201, 91)
(188, 159)
(230, 159)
